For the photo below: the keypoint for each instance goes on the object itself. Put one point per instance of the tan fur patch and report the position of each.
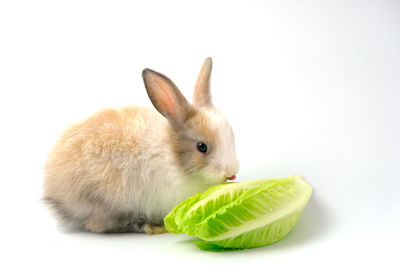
(196, 129)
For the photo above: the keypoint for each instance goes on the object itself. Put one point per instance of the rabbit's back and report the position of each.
(91, 167)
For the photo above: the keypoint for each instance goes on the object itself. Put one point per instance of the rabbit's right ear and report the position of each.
(166, 97)
(202, 94)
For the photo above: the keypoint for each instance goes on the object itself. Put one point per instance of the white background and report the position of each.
(310, 87)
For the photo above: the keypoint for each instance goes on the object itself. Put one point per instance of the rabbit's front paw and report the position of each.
(154, 229)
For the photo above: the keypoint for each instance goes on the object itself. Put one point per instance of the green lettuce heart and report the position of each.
(242, 215)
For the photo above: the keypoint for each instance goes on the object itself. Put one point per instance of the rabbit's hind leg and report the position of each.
(96, 225)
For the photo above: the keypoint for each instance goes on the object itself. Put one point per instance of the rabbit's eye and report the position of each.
(201, 147)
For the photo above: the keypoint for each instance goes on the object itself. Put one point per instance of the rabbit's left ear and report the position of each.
(202, 94)
(166, 97)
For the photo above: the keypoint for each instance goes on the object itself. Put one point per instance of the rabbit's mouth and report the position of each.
(233, 177)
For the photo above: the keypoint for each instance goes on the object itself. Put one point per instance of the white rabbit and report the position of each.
(124, 170)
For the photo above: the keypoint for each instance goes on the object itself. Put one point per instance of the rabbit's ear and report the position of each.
(166, 97)
(202, 94)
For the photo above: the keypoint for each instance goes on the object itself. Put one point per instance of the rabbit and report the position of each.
(125, 170)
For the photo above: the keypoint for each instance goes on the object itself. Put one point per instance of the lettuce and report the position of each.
(242, 215)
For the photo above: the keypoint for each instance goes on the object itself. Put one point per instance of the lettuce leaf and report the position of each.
(242, 215)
